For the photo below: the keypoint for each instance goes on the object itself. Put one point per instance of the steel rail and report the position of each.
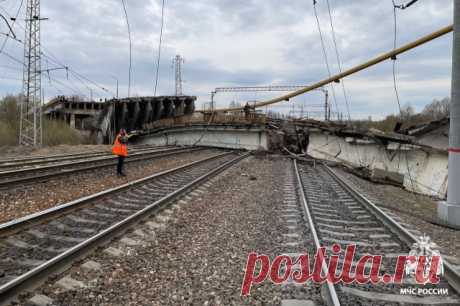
(78, 160)
(336, 78)
(37, 157)
(16, 163)
(333, 297)
(62, 261)
(25, 222)
(105, 162)
(450, 273)
(90, 159)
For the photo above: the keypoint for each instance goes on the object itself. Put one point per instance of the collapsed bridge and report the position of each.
(134, 113)
(103, 119)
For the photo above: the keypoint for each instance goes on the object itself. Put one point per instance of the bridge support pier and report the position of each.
(148, 113)
(179, 108)
(72, 121)
(135, 117)
(449, 212)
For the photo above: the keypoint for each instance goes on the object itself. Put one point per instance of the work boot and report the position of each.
(122, 174)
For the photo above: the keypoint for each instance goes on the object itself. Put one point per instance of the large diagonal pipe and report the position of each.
(337, 77)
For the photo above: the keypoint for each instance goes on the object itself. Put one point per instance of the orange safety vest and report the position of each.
(119, 148)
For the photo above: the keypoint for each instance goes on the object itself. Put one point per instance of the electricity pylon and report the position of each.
(30, 133)
(178, 61)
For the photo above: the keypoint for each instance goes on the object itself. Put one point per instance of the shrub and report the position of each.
(55, 132)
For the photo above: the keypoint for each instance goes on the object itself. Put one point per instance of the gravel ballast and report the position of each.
(19, 202)
(195, 252)
(415, 210)
(22, 152)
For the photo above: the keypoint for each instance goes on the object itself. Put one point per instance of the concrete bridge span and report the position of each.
(219, 136)
(104, 119)
(138, 112)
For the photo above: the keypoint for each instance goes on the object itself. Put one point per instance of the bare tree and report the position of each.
(437, 109)
(407, 111)
(234, 104)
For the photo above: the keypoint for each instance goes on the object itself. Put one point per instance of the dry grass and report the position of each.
(55, 132)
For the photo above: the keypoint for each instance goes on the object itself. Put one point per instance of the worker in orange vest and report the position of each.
(120, 148)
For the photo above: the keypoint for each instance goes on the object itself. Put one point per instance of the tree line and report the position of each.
(54, 131)
(436, 110)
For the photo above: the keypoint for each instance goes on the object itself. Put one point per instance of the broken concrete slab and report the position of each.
(91, 265)
(154, 225)
(129, 242)
(297, 303)
(68, 283)
(113, 252)
(39, 300)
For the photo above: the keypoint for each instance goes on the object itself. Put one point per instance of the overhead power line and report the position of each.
(339, 63)
(355, 69)
(76, 74)
(14, 21)
(395, 85)
(404, 6)
(323, 46)
(9, 26)
(11, 57)
(395, 38)
(71, 88)
(130, 47)
(51, 57)
(159, 48)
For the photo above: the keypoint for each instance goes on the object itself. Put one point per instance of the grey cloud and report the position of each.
(276, 40)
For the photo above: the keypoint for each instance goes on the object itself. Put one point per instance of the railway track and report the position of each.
(338, 214)
(34, 161)
(34, 247)
(40, 173)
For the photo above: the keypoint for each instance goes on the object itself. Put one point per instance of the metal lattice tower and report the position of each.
(178, 61)
(30, 133)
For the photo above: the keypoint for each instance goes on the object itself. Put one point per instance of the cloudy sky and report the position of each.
(238, 43)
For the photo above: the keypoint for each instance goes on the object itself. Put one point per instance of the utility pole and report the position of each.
(449, 211)
(116, 79)
(178, 61)
(213, 93)
(326, 106)
(30, 127)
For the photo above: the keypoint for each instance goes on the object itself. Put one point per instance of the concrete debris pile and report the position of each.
(415, 158)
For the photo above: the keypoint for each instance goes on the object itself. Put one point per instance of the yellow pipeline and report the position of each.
(353, 70)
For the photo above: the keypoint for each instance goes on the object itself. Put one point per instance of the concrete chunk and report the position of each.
(68, 283)
(129, 242)
(113, 252)
(91, 265)
(297, 303)
(40, 300)
(292, 235)
(139, 233)
(17, 243)
(154, 225)
(163, 218)
(291, 244)
(379, 236)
